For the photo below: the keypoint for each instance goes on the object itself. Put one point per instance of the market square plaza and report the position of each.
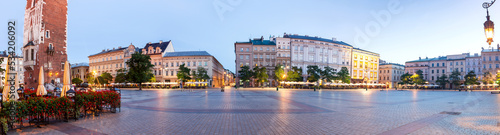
(267, 111)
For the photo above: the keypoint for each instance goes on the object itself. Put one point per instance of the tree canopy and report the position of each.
(442, 80)
(245, 74)
(471, 79)
(139, 68)
(260, 74)
(343, 75)
(200, 74)
(294, 75)
(313, 73)
(455, 78)
(183, 74)
(76, 81)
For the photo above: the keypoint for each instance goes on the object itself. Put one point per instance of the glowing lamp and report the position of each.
(489, 29)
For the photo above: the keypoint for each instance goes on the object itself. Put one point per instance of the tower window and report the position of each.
(47, 34)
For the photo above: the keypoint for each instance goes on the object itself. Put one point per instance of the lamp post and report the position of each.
(488, 25)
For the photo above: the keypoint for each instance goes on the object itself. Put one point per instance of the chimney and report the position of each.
(103, 50)
(261, 38)
(119, 47)
(113, 48)
(426, 57)
(419, 58)
(161, 41)
(307, 35)
(334, 39)
(149, 43)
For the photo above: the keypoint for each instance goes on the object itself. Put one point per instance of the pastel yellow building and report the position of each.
(365, 66)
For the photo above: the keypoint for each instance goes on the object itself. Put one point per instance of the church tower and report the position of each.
(45, 27)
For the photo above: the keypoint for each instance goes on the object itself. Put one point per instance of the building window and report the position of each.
(248, 50)
(241, 50)
(32, 54)
(205, 63)
(47, 34)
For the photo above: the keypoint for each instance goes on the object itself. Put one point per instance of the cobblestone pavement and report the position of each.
(267, 111)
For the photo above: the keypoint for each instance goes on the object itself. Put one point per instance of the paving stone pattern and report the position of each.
(267, 111)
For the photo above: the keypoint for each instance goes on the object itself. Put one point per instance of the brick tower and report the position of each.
(45, 25)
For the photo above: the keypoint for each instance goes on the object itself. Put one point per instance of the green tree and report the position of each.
(279, 73)
(343, 75)
(261, 75)
(77, 81)
(471, 79)
(105, 78)
(90, 78)
(184, 74)
(200, 74)
(294, 74)
(139, 70)
(153, 79)
(1, 69)
(406, 78)
(313, 73)
(455, 78)
(418, 77)
(497, 78)
(328, 74)
(245, 75)
(487, 78)
(442, 81)
(121, 76)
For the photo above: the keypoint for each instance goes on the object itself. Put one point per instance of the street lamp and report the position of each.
(488, 25)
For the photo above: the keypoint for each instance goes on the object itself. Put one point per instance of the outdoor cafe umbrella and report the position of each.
(66, 81)
(6, 87)
(41, 89)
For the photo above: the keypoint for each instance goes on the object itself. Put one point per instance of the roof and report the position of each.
(259, 42)
(263, 42)
(29, 44)
(429, 59)
(316, 38)
(186, 53)
(163, 45)
(365, 50)
(108, 51)
(392, 64)
(79, 65)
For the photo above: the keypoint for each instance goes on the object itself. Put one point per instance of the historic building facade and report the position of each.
(80, 70)
(165, 59)
(45, 26)
(390, 74)
(191, 60)
(365, 66)
(109, 60)
(19, 67)
(433, 68)
(300, 51)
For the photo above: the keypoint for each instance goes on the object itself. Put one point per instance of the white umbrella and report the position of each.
(6, 87)
(66, 81)
(40, 91)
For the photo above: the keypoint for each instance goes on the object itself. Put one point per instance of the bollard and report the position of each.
(221, 89)
(314, 89)
(276, 88)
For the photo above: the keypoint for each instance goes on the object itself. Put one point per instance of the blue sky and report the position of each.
(421, 28)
